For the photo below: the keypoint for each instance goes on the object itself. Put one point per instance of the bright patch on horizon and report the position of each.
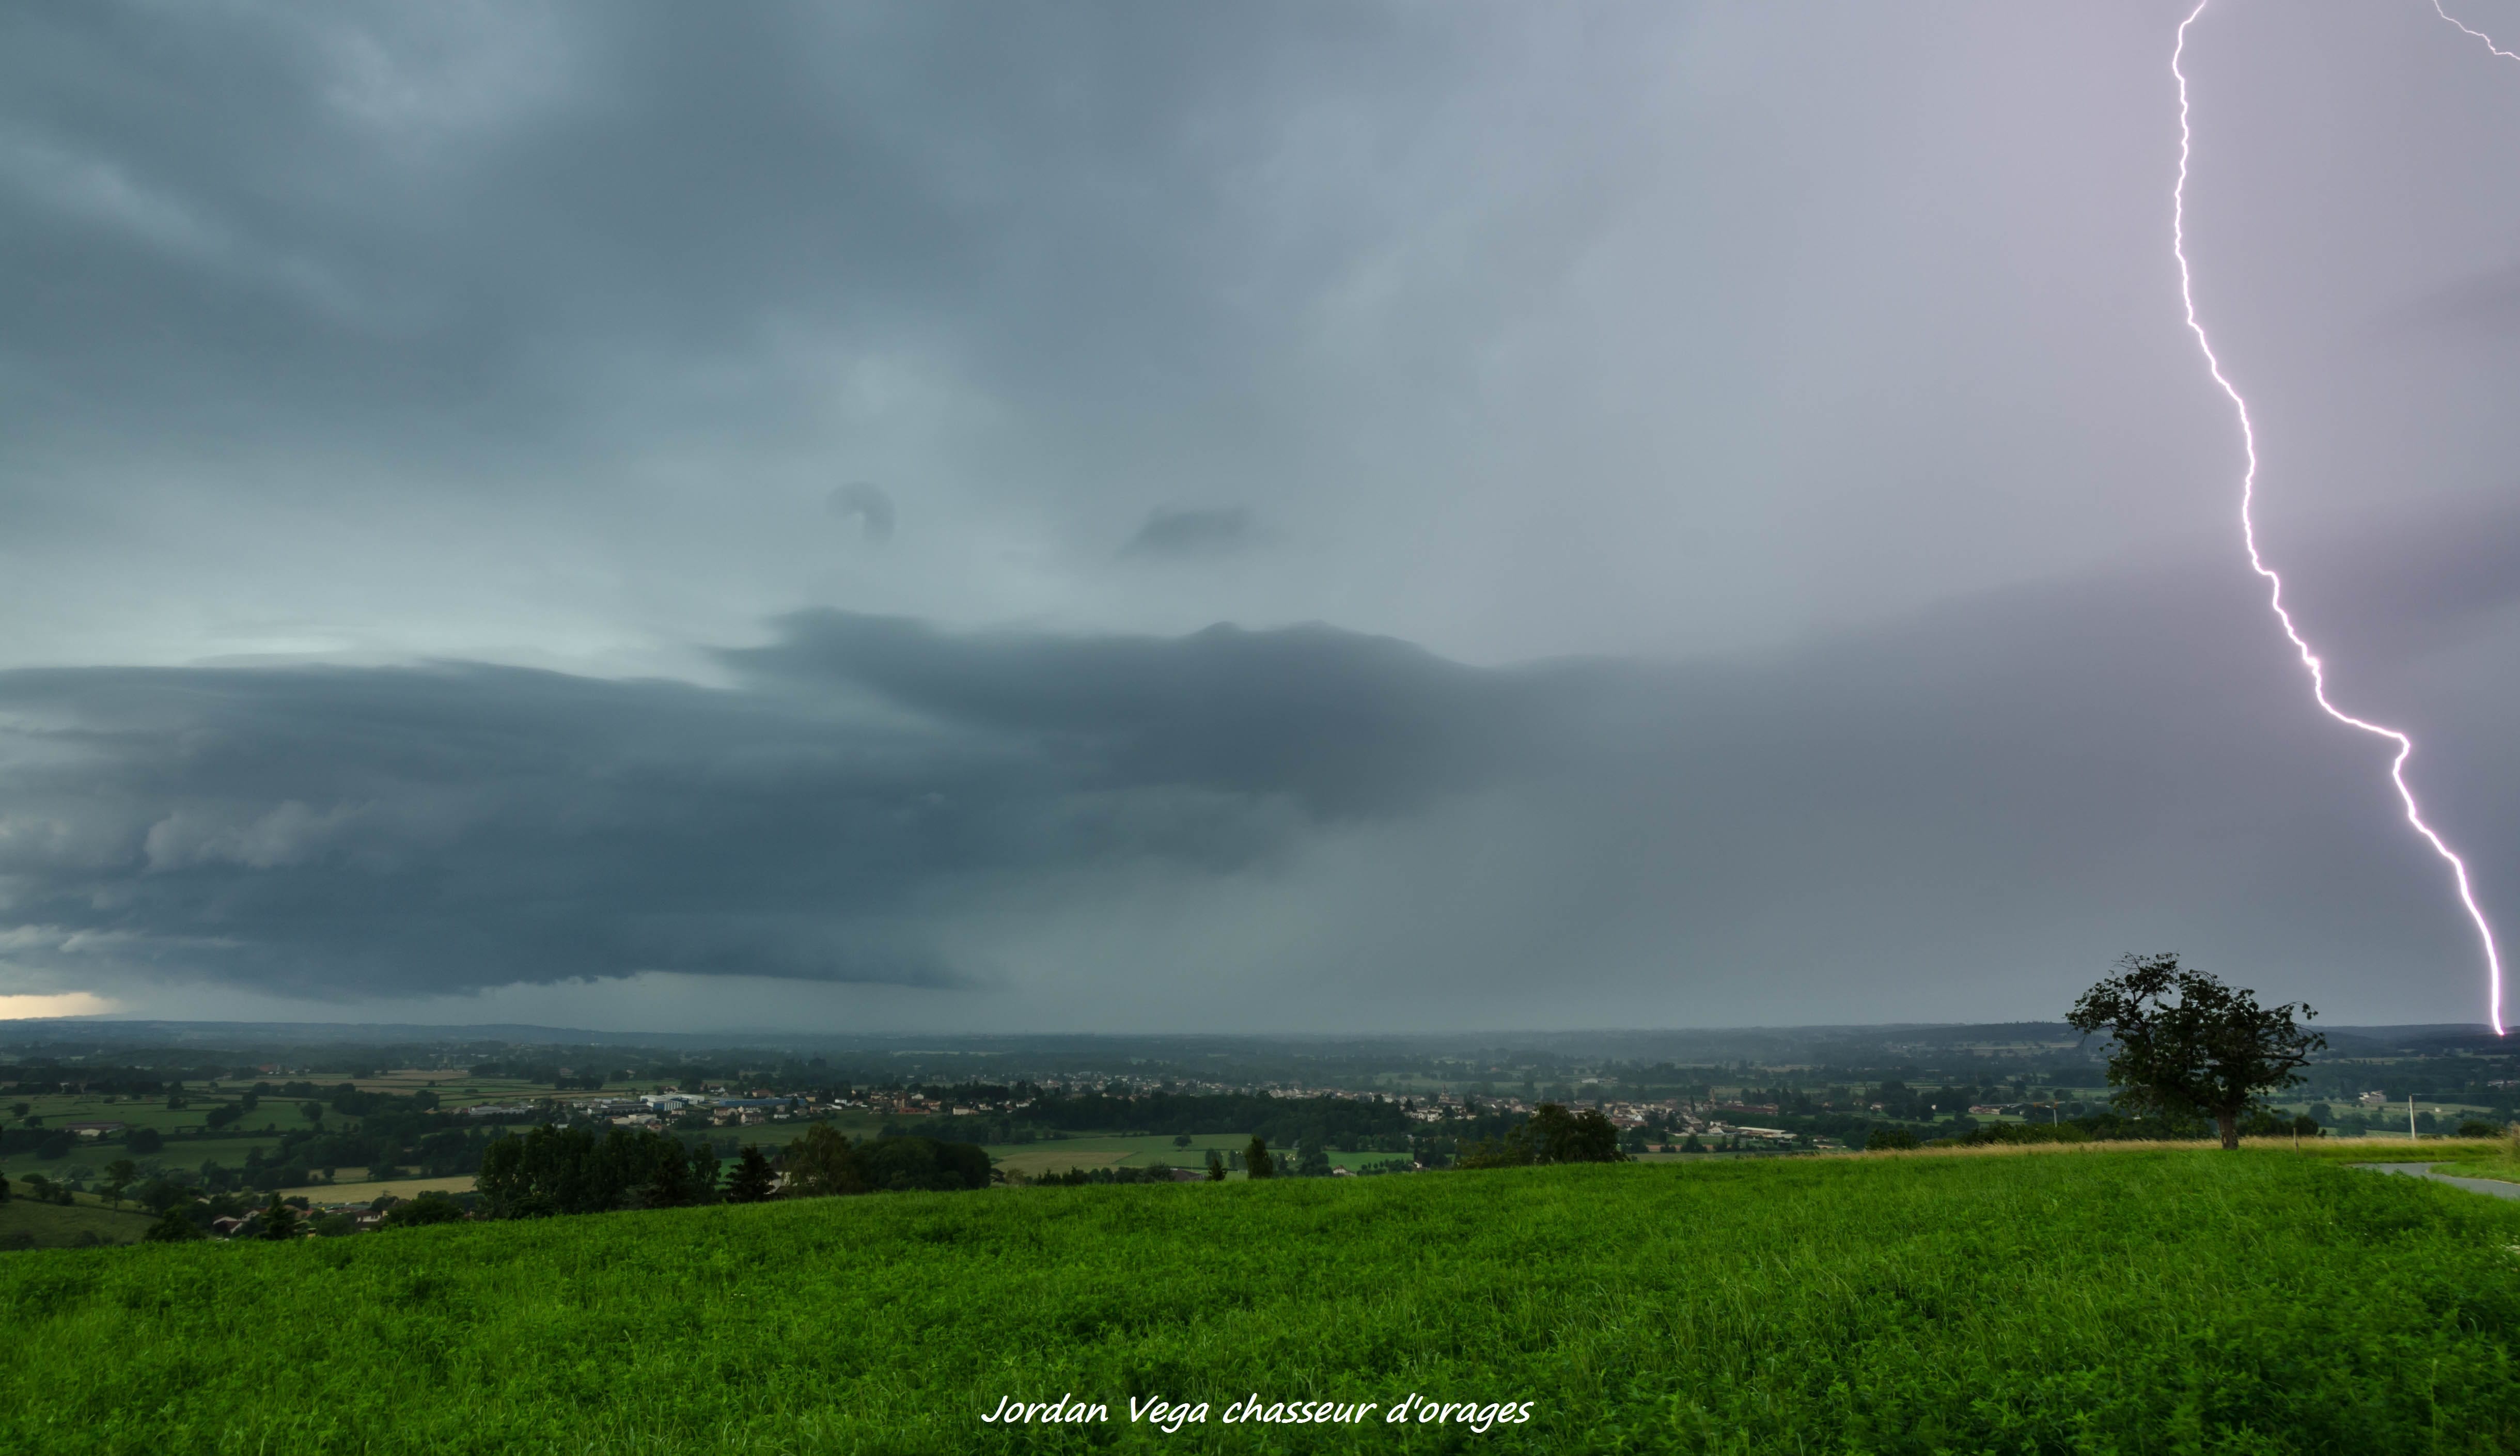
(34, 1007)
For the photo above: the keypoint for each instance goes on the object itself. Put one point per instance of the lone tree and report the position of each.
(119, 1175)
(1552, 1134)
(822, 1163)
(752, 1182)
(2188, 1045)
(1256, 1162)
(278, 1221)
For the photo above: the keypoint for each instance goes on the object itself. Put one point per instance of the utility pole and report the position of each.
(2410, 1117)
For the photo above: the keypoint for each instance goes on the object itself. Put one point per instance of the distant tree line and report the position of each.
(555, 1170)
(38, 1079)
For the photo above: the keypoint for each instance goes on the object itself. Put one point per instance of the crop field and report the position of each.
(2109, 1300)
(346, 1192)
(1032, 1160)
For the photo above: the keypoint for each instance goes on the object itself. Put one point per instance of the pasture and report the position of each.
(57, 1226)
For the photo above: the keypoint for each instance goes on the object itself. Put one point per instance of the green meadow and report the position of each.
(87, 1218)
(2099, 1299)
(2498, 1161)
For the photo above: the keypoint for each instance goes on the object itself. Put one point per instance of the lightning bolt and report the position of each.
(2479, 34)
(2309, 659)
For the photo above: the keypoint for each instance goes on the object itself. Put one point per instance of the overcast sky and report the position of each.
(1292, 516)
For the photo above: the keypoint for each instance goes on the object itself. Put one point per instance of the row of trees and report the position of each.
(1346, 1123)
(287, 1218)
(552, 1170)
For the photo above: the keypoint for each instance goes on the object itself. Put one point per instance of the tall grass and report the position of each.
(2150, 1301)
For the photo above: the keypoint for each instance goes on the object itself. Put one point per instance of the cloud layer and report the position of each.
(2002, 791)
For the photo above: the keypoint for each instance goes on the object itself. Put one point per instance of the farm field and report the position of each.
(1032, 1160)
(188, 1152)
(2144, 1298)
(54, 1226)
(187, 1141)
(363, 1191)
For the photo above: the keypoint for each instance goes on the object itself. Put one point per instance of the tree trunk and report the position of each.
(2229, 1123)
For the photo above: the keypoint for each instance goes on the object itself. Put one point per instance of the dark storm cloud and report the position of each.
(1338, 722)
(869, 782)
(356, 830)
(1173, 532)
(289, 192)
(543, 334)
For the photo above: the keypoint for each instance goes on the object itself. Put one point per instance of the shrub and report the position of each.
(913, 1163)
(173, 1227)
(1887, 1140)
(1552, 1134)
(822, 1163)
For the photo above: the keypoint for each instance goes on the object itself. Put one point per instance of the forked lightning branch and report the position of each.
(2311, 661)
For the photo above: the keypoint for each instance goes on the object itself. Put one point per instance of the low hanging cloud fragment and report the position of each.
(867, 507)
(1179, 533)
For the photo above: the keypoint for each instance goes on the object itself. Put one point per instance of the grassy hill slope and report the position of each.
(2115, 1300)
(59, 1226)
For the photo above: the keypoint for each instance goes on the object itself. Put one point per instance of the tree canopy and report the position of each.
(2187, 1045)
(1552, 1134)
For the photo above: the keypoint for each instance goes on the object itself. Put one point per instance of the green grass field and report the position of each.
(56, 1226)
(2500, 1162)
(2113, 1300)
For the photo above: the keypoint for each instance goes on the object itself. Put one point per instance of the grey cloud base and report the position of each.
(1963, 813)
(401, 831)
